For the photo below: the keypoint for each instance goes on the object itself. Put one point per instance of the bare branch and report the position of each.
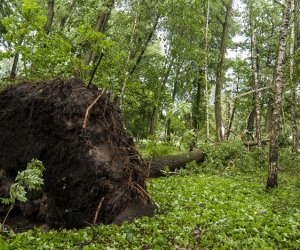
(280, 3)
(250, 92)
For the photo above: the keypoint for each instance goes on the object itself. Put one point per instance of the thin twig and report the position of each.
(97, 211)
(88, 110)
(9, 210)
(280, 3)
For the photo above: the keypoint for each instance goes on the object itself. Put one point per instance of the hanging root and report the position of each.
(143, 194)
(97, 211)
(88, 110)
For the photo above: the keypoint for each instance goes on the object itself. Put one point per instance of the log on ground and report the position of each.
(173, 162)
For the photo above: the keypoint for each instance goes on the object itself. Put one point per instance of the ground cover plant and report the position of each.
(228, 209)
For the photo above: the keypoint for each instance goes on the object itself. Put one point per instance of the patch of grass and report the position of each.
(200, 211)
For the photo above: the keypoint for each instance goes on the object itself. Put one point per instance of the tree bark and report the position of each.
(100, 26)
(277, 93)
(230, 120)
(144, 47)
(173, 162)
(196, 106)
(250, 121)
(13, 72)
(50, 17)
(175, 88)
(292, 80)
(155, 108)
(65, 17)
(207, 132)
(255, 75)
(219, 74)
(126, 76)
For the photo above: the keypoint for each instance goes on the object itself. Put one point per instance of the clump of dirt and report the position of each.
(93, 172)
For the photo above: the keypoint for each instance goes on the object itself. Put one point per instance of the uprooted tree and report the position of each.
(93, 172)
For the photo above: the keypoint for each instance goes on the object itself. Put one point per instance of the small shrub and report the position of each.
(29, 179)
(152, 148)
(234, 157)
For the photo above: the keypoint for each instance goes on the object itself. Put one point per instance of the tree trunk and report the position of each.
(250, 121)
(50, 17)
(292, 80)
(207, 134)
(64, 19)
(13, 72)
(256, 82)
(173, 101)
(173, 162)
(144, 47)
(100, 26)
(277, 92)
(219, 74)
(155, 108)
(126, 76)
(196, 106)
(153, 120)
(230, 121)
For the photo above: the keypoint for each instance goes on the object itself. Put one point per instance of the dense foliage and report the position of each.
(159, 58)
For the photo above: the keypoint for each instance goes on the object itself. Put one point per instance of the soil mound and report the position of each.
(93, 172)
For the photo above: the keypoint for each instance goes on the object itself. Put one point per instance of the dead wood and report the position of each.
(173, 162)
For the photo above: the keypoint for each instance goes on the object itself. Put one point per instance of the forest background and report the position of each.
(219, 75)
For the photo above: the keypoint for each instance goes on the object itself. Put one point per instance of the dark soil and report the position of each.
(88, 159)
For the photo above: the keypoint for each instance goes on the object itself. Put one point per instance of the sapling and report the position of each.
(29, 179)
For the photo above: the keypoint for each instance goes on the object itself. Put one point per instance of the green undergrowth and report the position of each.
(152, 148)
(196, 212)
(221, 204)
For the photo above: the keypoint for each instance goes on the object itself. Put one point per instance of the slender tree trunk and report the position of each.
(64, 19)
(251, 120)
(129, 71)
(153, 120)
(196, 106)
(230, 121)
(129, 58)
(13, 72)
(207, 134)
(50, 17)
(268, 122)
(100, 26)
(292, 80)
(173, 101)
(156, 107)
(219, 74)
(144, 47)
(277, 92)
(256, 83)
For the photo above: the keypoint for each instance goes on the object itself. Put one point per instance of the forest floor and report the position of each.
(228, 210)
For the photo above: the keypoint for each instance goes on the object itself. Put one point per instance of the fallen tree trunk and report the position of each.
(173, 162)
